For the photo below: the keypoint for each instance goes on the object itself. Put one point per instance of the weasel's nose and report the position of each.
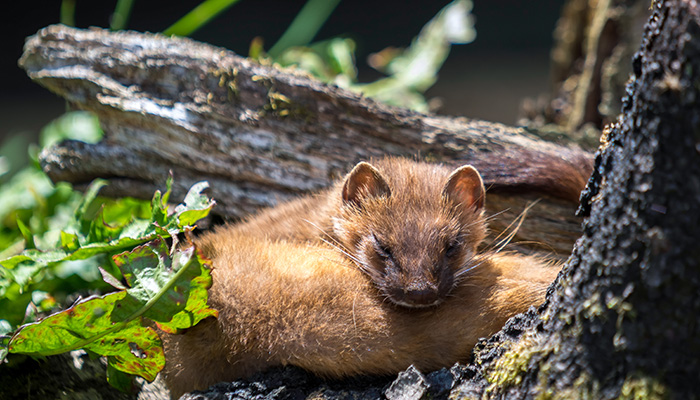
(420, 294)
(421, 297)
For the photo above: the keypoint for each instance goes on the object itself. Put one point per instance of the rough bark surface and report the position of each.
(623, 320)
(260, 135)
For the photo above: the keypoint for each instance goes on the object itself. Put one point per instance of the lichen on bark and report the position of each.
(623, 319)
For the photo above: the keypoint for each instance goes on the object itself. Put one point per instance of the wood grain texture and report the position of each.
(260, 134)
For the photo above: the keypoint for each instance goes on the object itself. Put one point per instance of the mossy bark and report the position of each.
(623, 319)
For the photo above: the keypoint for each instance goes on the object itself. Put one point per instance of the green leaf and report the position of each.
(120, 18)
(172, 289)
(76, 125)
(111, 279)
(87, 324)
(195, 207)
(415, 70)
(37, 256)
(118, 379)
(100, 231)
(81, 212)
(198, 17)
(28, 237)
(193, 287)
(168, 188)
(305, 25)
(69, 241)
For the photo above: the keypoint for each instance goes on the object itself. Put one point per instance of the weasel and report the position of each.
(377, 273)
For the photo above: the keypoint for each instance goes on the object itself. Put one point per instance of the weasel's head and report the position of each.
(413, 228)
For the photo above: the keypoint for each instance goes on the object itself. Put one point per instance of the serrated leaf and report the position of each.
(195, 207)
(87, 324)
(173, 288)
(195, 290)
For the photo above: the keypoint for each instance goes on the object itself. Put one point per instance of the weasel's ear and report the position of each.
(465, 187)
(364, 181)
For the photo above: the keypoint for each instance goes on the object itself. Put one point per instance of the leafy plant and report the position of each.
(166, 286)
(410, 71)
(55, 242)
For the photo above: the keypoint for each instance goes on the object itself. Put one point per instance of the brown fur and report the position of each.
(307, 305)
(377, 273)
(417, 210)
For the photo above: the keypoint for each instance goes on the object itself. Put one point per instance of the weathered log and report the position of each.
(260, 135)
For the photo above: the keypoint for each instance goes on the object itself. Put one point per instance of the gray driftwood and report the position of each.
(261, 135)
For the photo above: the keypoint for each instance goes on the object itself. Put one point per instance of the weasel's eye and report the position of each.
(382, 250)
(451, 249)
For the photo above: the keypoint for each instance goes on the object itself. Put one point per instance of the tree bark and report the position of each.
(261, 135)
(623, 318)
(594, 41)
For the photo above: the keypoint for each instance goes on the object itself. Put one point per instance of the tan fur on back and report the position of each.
(299, 284)
(306, 305)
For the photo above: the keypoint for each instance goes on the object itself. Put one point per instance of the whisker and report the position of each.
(322, 231)
(494, 215)
(341, 250)
(460, 274)
(505, 230)
(519, 220)
(550, 248)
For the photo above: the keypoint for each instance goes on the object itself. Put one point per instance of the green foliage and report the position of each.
(410, 71)
(56, 242)
(35, 215)
(120, 18)
(305, 25)
(198, 17)
(165, 286)
(169, 288)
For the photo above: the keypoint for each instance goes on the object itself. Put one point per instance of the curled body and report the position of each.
(307, 305)
(377, 273)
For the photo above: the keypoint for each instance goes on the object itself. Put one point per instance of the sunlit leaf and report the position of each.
(195, 207)
(87, 324)
(171, 286)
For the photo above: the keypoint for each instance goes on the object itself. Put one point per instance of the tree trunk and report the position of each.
(594, 43)
(260, 135)
(623, 319)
